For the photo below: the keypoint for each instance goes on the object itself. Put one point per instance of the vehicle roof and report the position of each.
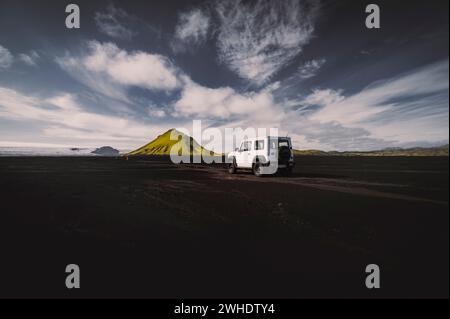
(264, 137)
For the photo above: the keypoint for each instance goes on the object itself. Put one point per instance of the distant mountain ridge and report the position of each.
(162, 145)
(415, 151)
(106, 151)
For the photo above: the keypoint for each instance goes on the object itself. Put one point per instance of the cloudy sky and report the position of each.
(310, 68)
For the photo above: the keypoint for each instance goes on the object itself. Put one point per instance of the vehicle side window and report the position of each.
(246, 146)
(259, 145)
(273, 144)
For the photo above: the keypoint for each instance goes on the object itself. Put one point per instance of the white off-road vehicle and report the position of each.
(264, 156)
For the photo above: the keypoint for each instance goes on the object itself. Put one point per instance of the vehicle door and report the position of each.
(243, 157)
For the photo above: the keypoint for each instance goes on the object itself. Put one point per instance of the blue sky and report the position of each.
(310, 68)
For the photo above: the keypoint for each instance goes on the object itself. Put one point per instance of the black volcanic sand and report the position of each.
(148, 228)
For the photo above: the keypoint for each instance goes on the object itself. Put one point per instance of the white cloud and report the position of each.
(227, 104)
(114, 22)
(29, 59)
(382, 96)
(310, 134)
(14, 105)
(98, 82)
(30, 144)
(191, 30)
(409, 108)
(150, 71)
(110, 70)
(64, 102)
(310, 68)
(323, 97)
(156, 112)
(65, 119)
(6, 58)
(257, 40)
(374, 118)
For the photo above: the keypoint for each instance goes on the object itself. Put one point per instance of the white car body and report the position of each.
(263, 152)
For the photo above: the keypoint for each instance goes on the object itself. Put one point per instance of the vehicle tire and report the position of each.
(256, 168)
(232, 168)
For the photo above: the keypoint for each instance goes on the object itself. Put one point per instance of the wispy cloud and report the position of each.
(29, 59)
(64, 117)
(191, 30)
(110, 70)
(323, 97)
(6, 58)
(310, 68)
(407, 108)
(156, 112)
(257, 40)
(115, 23)
(94, 81)
(311, 134)
(383, 95)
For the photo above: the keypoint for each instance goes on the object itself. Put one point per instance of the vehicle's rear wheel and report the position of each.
(232, 167)
(257, 171)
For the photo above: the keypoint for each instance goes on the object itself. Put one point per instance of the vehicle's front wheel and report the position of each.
(232, 167)
(257, 171)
